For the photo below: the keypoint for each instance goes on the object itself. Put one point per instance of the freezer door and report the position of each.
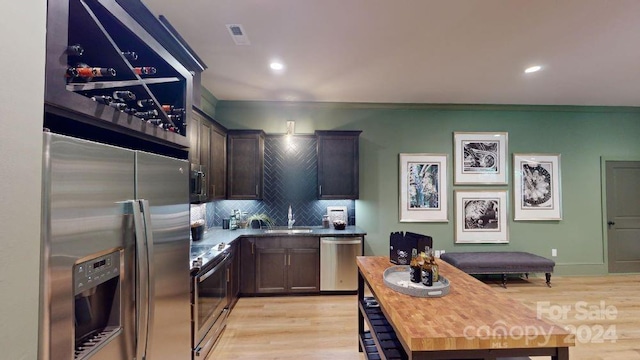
(84, 184)
(164, 183)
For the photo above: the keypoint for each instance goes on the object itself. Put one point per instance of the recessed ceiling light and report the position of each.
(276, 66)
(532, 69)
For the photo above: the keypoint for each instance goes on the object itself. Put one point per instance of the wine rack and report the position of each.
(380, 342)
(143, 90)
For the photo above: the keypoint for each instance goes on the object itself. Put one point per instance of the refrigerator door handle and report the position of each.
(142, 281)
(151, 290)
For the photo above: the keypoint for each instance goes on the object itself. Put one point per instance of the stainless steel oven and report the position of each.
(209, 300)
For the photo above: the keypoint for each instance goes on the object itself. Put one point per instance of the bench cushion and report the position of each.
(499, 262)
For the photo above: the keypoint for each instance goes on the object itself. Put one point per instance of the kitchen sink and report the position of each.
(288, 231)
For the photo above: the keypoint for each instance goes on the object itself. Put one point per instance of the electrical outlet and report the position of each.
(554, 252)
(437, 253)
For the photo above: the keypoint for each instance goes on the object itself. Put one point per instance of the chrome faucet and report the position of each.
(290, 217)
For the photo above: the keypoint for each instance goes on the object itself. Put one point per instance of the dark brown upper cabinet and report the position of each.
(106, 32)
(208, 147)
(218, 162)
(245, 164)
(338, 164)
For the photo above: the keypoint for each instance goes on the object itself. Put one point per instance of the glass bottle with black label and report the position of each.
(414, 267)
(434, 267)
(427, 270)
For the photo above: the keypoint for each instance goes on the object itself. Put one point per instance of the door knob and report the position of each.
(611, 223)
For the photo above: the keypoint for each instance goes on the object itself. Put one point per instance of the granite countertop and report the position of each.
(215, 236)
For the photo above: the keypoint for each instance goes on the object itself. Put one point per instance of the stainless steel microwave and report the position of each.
(198, 184)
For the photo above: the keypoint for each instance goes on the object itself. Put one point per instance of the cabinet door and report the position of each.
(194, 138)
(233, 279)
(303, 264)
(205, 141)
(271, 266)
(218, 163)
(248, 266)
(304, 270)
(338, 164)
(245, 165)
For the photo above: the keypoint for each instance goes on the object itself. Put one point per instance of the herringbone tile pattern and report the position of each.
(290, 178)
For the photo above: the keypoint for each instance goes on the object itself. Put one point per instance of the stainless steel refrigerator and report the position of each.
(115, 253)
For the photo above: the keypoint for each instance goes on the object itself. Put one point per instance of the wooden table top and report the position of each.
(471, 316)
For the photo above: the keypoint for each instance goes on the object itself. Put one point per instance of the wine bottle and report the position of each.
(172, 110)
(144, 70)
(118, 105)
(83, 71)
(146, 114)
(124, 95)
(175, 118)
(172, 128)
(414, 267)
(145, 103)
(130, 55)
(102, 99)
(72, 72)
(75, 50)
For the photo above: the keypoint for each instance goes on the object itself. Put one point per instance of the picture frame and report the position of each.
(481, 217)
(423, 188)
(480, 158)
(536, 187)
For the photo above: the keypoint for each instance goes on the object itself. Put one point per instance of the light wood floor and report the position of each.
(325, 327)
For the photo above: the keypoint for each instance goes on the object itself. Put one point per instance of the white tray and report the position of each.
(397, 278)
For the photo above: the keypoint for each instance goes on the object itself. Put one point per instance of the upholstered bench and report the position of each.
(498, 262)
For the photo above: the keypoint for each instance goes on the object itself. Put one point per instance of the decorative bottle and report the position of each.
(414, 267)
(427, 270)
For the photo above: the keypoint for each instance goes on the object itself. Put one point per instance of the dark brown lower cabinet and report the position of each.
(280, 265)
(271, 267)
(233, 276)
(303, 274)
(247, 266)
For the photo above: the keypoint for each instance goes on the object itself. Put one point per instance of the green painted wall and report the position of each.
(208, 102)
(582, 135)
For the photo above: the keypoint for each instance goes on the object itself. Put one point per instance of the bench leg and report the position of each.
(504, 281)
(548, 277)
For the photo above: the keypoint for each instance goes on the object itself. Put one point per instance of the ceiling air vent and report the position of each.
(238, 34)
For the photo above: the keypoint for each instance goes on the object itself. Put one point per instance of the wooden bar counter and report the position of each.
(473, 321)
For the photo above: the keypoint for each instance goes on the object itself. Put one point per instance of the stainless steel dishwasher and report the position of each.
(338, 269)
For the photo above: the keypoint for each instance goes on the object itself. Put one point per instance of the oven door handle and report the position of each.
(204, 277)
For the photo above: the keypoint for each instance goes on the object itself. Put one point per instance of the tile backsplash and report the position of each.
(198, 212)
(290, 178)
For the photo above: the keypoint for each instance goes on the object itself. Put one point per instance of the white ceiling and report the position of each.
(417, 51)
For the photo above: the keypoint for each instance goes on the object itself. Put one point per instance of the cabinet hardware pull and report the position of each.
(320, 190)
(252, 248)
